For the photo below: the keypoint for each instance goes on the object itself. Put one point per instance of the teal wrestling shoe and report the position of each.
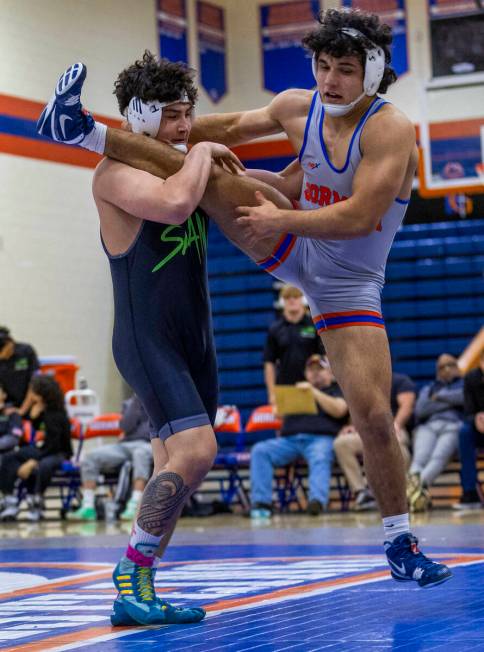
(137, 604)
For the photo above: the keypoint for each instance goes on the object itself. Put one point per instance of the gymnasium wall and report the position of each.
(55, 279)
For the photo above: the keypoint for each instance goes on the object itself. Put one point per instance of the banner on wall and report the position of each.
(211, 46)
(172, 29)
(393, 13)
(286, 64)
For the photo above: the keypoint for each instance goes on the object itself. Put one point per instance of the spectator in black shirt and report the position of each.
(36, 463)
(290, 341)
(18, 363)
(309, 436)
(10, 426)
(471, 436)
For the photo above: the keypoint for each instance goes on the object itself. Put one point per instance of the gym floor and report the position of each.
(296, 583)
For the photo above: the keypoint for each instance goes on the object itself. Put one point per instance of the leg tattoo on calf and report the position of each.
(162, 499)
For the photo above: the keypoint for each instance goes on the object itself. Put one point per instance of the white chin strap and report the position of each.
(145, 117)
(374, 69)
(181, 147)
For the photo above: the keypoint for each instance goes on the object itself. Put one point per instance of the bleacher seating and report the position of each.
(433, 302)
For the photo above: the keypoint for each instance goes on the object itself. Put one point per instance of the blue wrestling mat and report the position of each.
(263, 598)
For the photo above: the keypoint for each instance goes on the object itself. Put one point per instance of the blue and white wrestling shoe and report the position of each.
(137, 604)
(63, 119)
(407, 563)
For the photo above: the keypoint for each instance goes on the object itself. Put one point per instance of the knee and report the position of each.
(195, 463)
(375, 424)
(341, 444)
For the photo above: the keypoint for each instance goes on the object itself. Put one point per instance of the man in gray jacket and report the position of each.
(438, 412)
(134, 446)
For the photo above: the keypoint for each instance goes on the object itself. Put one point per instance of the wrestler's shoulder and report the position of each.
(390, 119)
(293, 100)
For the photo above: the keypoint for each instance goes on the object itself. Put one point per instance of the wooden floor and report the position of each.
(297, 583)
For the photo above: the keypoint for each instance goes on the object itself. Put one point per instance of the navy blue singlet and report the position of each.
(163, 337)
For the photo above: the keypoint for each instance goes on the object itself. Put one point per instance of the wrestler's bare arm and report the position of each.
(288, 181)
(282, 114)
(387, 165)
(145, 196)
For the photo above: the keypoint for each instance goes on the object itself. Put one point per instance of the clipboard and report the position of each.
(294, 400)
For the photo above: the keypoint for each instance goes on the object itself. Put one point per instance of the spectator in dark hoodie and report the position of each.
(35, 463)
(438, 413)
(471, 436)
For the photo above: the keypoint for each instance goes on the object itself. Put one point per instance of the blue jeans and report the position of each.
(317, 450)
(469, 440)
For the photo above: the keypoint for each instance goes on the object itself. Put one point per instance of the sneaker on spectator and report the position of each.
(469, 500)
(261, 512)
(420, 500)
(34, 509)
(10, 509)
(413, 483)
(407, 563)
(82, 514)
(315, 507)
(130, 510)
(364, 501)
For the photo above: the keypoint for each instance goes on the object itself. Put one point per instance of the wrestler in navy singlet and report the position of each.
(163, 338)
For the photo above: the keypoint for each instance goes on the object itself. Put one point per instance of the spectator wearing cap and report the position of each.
(438, 412)
(18, 363)
(309, 436)
(471, 436)
(290, 341)
(348, 446)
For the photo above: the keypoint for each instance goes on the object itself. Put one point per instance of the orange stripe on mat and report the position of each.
(52, 564)
(64, 639)
(48, 587)
(52, 642)
(295, 590)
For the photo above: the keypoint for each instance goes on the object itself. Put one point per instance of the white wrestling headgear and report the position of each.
(374, 69)
(145, 117)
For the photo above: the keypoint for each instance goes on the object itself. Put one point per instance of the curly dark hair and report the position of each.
(329, 39)
(151, 79)
(48, 388)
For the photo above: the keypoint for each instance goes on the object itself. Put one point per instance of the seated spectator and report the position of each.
(18, 363)
(471, 436)
(309, 436)
(438, 413)
(134, 446)
(11, 430)
(36, 463)
(349, 447)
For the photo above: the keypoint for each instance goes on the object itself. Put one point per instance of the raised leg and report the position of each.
(224, 191)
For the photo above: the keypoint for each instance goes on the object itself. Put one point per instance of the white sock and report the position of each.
(142, 544)
(396, 525)
(96, 140)
(88, 498)
(136, 496)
